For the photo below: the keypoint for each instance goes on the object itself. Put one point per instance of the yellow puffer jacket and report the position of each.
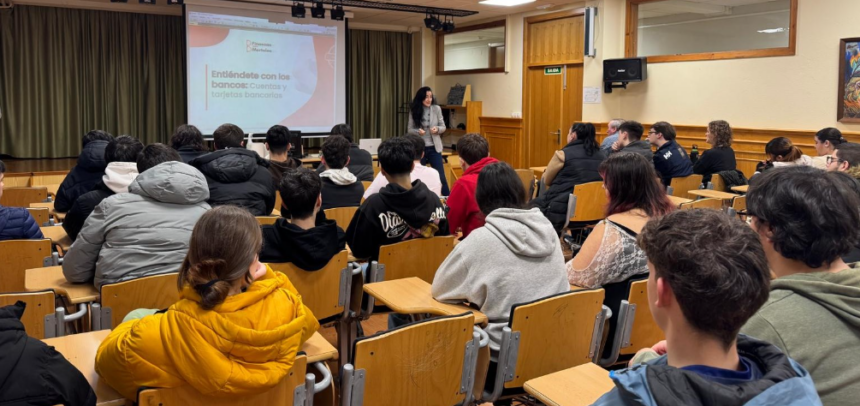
(245, 345)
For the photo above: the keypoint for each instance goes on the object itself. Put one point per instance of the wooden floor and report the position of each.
(14, 165)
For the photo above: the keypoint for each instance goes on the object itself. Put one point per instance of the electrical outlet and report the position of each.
(517, 114)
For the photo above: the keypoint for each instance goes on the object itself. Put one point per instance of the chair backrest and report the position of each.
(267, 220)
(680, 186)
(16, 256)
(376, 170)
(23, 196)
(717, 183)
(739, 203)
(644, 331)
(321, 290)
(527, 176)
(418, 257)
(556, 333)
(366, 184)
(48, 178)
(39, 214)
(710, 203)
(341, 215)
(587, 202)
(282, 394)
(149, 292)
(278, 202)
(418, 364)
(39, 306)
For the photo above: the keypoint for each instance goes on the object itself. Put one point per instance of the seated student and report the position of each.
(143, 232)
(630, 140)
(425, 174)
(87, 173)
(16, 223)
(670, 160)
(278, 144)
(236, 175)
(360, 161)
(402, 210)
(121, 156)
(610, 253)
(613, 134)
(806, 219)
(781, 153)
(188, 141)
(307, 239)
(514, 258)
(827, 140)
(31, 372)
(464, 213)
(340, 188)
(845, 159)
(575, 164)
(700, 298)
(235, 330)
(719, 158)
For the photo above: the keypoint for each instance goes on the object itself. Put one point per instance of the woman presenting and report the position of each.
(425, 121)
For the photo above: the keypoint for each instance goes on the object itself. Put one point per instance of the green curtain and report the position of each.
(380, 76)
(66, 71)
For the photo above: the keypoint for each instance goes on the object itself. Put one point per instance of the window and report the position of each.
(695, 30)
(474, 49)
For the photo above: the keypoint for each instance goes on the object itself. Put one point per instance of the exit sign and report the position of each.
(555, 70)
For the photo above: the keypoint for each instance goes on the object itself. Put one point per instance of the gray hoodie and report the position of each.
(815, 319)
(143, 232)
(514, 258)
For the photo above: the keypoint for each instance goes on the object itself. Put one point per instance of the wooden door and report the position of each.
(552, 86)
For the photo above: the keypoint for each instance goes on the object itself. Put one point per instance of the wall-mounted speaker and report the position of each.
(590, 21)
(623, 71)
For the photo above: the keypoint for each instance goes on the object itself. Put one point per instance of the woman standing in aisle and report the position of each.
(425, 121)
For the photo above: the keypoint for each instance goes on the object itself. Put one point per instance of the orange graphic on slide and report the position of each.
(201, 37)
(320, 109)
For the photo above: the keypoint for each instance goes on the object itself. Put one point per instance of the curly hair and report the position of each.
(722, 133)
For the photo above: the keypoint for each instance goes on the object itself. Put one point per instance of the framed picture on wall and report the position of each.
(848, 110)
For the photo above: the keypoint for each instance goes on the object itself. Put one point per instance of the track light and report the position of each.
(448, 25)
(318, 11)
(337, 13)
(298, 10)
(432, 22)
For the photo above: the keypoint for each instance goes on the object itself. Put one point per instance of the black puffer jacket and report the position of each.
(32, 373)
(83, 177)
(579, 168)
(239, 177)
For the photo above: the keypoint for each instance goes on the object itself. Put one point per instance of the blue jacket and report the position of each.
(17, 224)
(784, 382)
(671, 161)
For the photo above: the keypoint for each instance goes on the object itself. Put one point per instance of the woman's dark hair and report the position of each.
(830, 134)
(499, 187)
(343, 129)
(632, 184)
(187, 135)
(722, 133)
(223, 245)
(812, 214)
(587, 133)
(782, 147)
(417, 109)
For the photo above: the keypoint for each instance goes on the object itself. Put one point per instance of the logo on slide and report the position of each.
(251, 46)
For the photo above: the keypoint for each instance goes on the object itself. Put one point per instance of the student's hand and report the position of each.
(660, 348)
(421, 131)
(434, 130)
(616, 146)
(636, 356)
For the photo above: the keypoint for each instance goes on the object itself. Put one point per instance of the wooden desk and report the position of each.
(741, 189)
(577, 386)
(80, 350)
(318, 348)
(52, 190)
(58, 236)
(413, 296)
(47, 205)
(713, 194)
(538, 170)
(58, 215)
(677, 201)
(52, 278)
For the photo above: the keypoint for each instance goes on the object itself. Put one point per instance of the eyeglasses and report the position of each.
(652, 132)
(830, 159)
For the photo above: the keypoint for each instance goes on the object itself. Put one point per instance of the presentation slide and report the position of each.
(256, 69)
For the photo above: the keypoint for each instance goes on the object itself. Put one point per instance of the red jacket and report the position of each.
(464, 212)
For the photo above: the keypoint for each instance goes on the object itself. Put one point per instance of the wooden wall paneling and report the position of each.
(506, 139)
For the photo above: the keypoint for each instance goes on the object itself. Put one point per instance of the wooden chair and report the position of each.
(418, 257)
(267, 220)
(278, 202)
(39, 319)
(527, 176)
(376, 170)
(636, 328)
(431, 362)
(717, 183)
(41, 216)
(48, 178)
(680, 186)
(366, 184)
(586, 204)
(341, 215)
(293, 390)
(16, 256)
(23, 196)
(546, 336)
(711, 203)
(120, 298)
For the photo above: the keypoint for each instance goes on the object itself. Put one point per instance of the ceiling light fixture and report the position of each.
(337, 13)
(432, 22)
(506, 3)
(298, 10)
(318, 10)
(448, 25)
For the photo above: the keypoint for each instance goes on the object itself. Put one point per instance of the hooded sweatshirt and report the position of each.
(815, 319)
(340, 188)
(238, 176)
(776, 380)
(394, 215)
(309, 250)
(117, 177)
(277, 169)
(143, 232)
(514, 258)
(464, 212)
(241, 347)
(83, 177)
(32, 373)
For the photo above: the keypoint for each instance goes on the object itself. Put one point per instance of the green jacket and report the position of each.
(815, 319)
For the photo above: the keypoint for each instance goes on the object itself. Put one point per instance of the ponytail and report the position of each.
(794, 153)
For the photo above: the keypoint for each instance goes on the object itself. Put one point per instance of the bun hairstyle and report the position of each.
(782, 147)
(830, 134)
(223, 245)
